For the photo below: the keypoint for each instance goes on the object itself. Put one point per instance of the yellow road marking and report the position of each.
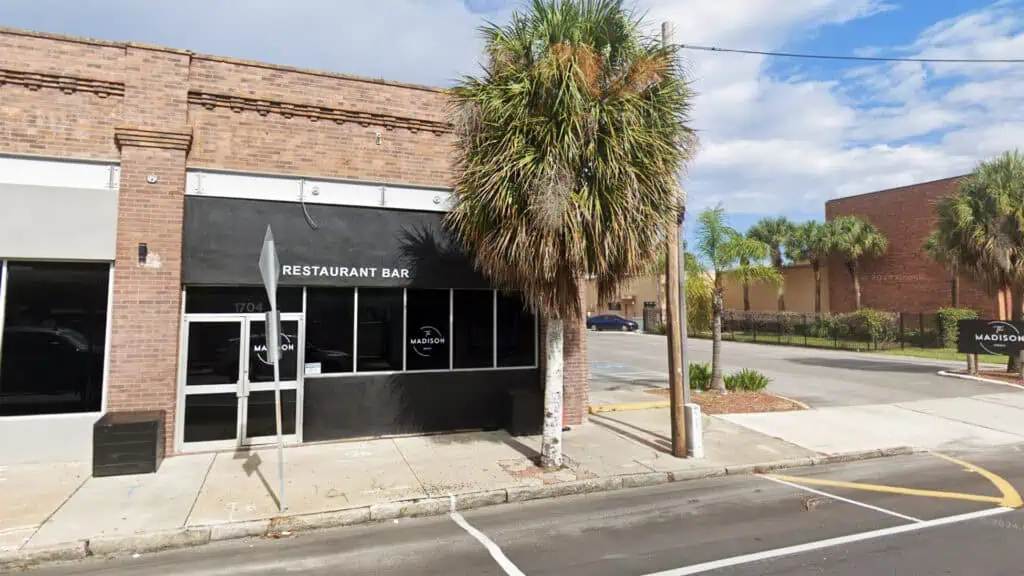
(1010, 497)
(633, 406)
(888, 489)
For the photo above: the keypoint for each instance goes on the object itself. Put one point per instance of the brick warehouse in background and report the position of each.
(904, 279)
(180, 131)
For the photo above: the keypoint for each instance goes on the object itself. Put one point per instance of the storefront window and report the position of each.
(379, 334)
(516, 329)
(427, 330)
(473, 336)
(330, 318)
(54, 337)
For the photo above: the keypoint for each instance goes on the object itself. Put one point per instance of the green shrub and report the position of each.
(873, 325)
(948, 318)
(747, 380)
(700, 376)
(698, 304)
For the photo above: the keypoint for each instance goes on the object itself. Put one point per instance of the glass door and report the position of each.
(229, 382)
(257, 405)
(213, 378)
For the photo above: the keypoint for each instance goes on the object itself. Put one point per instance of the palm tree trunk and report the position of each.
(856, 284)
(551, 441)
(1013, 362)
(717, 383)
(954, 288)
(782, 283)
(746, 297)
(817, 287)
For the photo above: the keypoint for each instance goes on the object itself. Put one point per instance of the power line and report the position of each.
(861, 58)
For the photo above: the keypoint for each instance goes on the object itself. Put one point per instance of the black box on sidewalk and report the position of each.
(128, 443)
(524, 412)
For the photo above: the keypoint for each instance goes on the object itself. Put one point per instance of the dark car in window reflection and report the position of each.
(48, 366)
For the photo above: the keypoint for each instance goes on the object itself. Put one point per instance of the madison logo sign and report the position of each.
(996, 337)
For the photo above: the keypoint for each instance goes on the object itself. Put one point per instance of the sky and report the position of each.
(778, 136)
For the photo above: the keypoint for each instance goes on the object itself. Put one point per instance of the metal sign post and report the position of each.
(270, 270)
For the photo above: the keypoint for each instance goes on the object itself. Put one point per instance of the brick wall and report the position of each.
(575, 372)
(904, 279)
(159, 110)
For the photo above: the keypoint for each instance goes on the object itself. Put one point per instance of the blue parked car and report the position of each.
(611, 322)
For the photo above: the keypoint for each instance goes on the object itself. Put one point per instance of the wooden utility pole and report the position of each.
(674, 334)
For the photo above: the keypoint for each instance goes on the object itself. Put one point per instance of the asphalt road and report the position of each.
(737, 525)
(816, 377)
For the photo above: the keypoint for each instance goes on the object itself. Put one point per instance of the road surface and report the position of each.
(817, 377)
(822, 520)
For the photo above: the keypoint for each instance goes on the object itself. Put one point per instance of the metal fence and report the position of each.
(870, 331)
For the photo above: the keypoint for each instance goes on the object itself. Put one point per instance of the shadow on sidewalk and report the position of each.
(633, 432)
(251, 465)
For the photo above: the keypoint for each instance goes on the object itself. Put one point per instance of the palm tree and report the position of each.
(980, 229)
(949, 257)
(726, 250)
(811, 242)
(774, 232)
(855, 239)
(567, 151)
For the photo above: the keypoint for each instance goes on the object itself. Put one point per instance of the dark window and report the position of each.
(427, 337)
(614, 306)
(239, 300)
(261, 368)
(214, 353)
(379, 340)
(330, 321)
(54, 337)
(474, 328)
(516, 332)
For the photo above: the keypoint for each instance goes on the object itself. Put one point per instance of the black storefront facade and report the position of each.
(386, 327)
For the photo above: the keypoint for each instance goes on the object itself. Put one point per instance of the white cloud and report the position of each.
(768, 144)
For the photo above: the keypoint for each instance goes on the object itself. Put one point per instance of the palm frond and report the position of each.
(567, 151)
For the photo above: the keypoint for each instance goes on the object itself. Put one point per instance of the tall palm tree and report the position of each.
(567, 151)
(811, 242)
(950, 257)
(980, 229)
(856, 239)
(724, 249)
(774, 232)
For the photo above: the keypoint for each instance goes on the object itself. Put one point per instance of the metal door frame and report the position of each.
(241, 388)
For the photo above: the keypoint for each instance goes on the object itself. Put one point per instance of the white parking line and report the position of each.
(820, 544)
(491, 547)
(841, 499)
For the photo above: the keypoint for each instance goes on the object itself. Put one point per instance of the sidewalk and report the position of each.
(982, 420)
(59, 512)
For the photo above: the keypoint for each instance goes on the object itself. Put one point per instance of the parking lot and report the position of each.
(817, 377)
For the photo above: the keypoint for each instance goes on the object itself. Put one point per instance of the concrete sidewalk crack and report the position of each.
(423, 486)
(192, 508)
(951, 419)
(54, 513)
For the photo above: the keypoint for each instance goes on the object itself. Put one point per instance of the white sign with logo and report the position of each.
(287, 345)
(427, 341)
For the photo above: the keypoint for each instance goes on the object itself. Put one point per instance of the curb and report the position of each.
(788, 399)
(187, 537)
(949, 374)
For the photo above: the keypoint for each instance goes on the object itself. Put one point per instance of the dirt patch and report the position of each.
(735, 402)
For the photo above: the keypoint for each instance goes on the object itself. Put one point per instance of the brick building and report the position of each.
(904, 279)
(136, 185)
